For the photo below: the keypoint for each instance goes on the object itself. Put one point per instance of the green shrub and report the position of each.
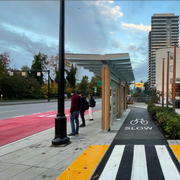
(177, 115)
(150, 105)
(154, 110)
(155, 99)
(173, 127)
(162, 118)
(148, 102)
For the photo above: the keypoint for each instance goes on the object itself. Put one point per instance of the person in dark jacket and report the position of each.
(74, 113)
(82, 109)
(91, 105)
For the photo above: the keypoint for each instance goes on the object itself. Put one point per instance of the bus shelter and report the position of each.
(114, 68)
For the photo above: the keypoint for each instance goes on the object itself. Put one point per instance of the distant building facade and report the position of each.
(164, 34)
(162, 53)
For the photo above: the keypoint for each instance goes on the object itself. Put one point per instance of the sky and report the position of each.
(91, 27)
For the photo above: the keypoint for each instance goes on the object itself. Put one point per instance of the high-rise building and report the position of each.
(164, 34)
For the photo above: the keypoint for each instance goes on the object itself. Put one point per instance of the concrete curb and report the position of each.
(32, 102)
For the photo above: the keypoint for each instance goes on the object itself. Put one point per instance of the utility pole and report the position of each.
(48, 87)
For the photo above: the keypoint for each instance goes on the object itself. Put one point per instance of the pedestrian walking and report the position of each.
(92, 103)
(83, 106)
(74, 113)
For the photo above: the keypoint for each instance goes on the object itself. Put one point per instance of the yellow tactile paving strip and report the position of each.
(176, 150)
(83, 167)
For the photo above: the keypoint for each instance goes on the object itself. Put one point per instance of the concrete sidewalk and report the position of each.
(143, 105)
(34, 158)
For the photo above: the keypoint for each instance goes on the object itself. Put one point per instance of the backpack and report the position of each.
(83, 104)
(86, 105)
(94, 103)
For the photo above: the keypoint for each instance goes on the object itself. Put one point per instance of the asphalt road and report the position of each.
(10, 111)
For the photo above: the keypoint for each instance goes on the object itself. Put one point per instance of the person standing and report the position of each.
(92, 104)
(83, 106)
(74, 113)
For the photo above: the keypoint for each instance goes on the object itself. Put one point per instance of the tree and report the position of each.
(153, 94)
(25, 68)
(71, 76)
(4, 67)
(53, 64)
(94, 83)
(4, 63)
(136, 94)
(146, 85)
(83, 85)
(127, 88)
(53, 89)
(39, 64)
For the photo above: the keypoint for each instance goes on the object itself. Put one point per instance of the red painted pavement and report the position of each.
(17, 128)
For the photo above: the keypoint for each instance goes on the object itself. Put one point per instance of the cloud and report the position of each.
(99, 2)
(105, 8)
(129, 37)
(86, 30)
(140, 27)
(114, 13)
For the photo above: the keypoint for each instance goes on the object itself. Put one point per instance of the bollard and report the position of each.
(131, 101)
(1, 97)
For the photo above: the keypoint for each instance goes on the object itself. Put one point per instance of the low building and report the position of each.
(160, 54)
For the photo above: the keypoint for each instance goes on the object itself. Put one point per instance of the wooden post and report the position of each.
(107, 99)
(125, 97)
(167, 82)
(163, 83)
(174, 80)
(105, 120)
(103, 99)
(120, 98)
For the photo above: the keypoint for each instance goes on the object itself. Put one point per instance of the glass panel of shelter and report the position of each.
(114, 91)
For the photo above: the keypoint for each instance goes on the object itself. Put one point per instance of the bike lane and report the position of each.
(138, 152)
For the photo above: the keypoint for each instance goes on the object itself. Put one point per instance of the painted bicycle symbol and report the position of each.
(136, 121)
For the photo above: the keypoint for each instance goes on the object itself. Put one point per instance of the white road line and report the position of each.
(112, 166)
(7, 111)
(139, 167)
(37, 113)
(18, 116)
(168, 167)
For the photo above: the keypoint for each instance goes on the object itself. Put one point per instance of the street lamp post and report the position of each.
(48, 86)
(60, 121)
(174, 80)
(163, 83)
(167, 82)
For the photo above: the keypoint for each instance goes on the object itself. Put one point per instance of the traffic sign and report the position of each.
(100, 83)
(95, 89)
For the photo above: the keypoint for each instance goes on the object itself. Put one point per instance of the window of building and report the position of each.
(171, 68)
(171, 56)
(171, 80)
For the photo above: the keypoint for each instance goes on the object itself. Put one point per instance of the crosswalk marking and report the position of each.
(113, 163)
(139, 167)
(168, 167)
(141, 164)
